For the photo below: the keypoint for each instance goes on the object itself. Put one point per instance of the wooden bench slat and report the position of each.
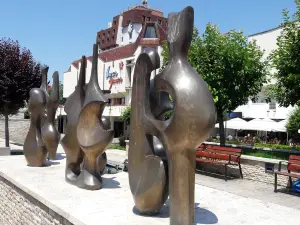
(295, 162)
(288, 174)
(225, 149)
(294, 157)
(293, 167)
(210, 161)
(214, 155)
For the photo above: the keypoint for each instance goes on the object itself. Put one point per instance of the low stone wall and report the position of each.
(18, 129)
(253, 169)
(19, 208)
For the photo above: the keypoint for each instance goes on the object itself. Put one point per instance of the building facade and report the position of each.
(263, 107)
(120, 44)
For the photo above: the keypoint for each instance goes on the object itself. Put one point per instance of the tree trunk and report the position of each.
(221, 129)
(6, 131)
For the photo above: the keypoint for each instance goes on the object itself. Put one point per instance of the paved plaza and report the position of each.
(216, 201)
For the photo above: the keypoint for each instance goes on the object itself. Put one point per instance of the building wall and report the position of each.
(267, 41)
(137, 28)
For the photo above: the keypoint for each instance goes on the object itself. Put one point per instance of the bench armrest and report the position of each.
(236, 155)
(280, 163)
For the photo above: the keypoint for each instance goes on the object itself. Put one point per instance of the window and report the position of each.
(148, 19)
(150, 31)
(113, 37)
(115, 22)
(144, 19)
(272, 105)
(114, 31)
(159, 22)
(118, 101)
(107, 39)
(103, 41)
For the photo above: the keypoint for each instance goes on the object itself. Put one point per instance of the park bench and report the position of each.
(220, 156)
(293, 170)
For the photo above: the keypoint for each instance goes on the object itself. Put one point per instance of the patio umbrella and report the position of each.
(236, 124)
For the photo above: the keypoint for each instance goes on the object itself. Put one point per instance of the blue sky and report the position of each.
(60, 31)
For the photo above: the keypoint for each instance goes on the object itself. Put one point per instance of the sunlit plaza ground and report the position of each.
(233, 202)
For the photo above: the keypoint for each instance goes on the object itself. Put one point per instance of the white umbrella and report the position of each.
(262, 124)
(236, 124)
(280, 126)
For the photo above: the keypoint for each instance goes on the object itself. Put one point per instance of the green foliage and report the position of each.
(233, 68)
(168, 115)
(293, 123)
(286, 60)
(26, 114)
(62, 100)
(115, 146)
(19, 73)
(125, 115)
(122, 142)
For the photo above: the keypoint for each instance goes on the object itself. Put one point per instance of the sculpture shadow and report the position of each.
(110, 182)
(202, 216)
(59, 156)
(288, 191)
(50, 163)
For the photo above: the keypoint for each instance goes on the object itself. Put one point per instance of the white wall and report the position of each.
(70, 81)
(267, 42)
(124, 33)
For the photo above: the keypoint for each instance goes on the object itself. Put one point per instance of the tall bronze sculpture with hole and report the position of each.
(161, 156)
(42, 138)
(87, 132)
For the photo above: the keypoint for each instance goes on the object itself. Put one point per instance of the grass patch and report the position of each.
(266, 154)
(116, 146)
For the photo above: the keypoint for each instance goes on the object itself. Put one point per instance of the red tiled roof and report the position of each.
(118, 53)
(149, 41)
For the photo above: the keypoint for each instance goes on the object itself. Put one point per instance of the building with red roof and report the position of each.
(120, 44)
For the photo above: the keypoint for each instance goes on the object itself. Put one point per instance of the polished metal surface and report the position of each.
(74, 103)
(34, 148)
(92, 133)
(50, 134)
(42, 137)
(150, 175)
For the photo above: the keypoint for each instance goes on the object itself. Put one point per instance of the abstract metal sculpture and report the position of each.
(154, 171)
(73, 105)
(42, 137)
(87, 132)
(50, 134)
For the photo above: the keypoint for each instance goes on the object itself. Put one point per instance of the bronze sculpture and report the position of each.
(92, 136)
(42, 137)
(73, 105)
(50, 134)
(87, 132)
(150, 175)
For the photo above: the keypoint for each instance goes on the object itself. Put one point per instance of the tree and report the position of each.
(18, 74)
(286, 60)
(62, 100)
(125, 115)
(293, 124)
(233, 68)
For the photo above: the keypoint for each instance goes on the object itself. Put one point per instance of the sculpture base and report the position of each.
(113, 204)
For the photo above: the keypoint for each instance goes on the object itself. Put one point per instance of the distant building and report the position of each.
(119, 46)
(263, 107)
